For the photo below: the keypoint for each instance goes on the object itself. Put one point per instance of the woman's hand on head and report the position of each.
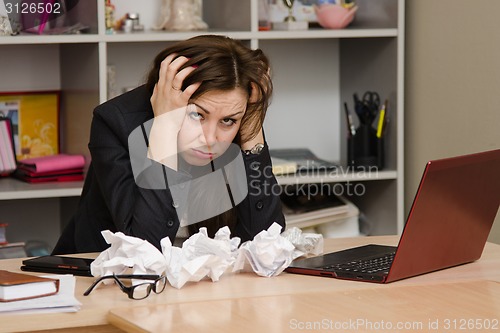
(167, 94)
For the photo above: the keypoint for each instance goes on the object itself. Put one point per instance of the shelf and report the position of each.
(158, 36)
(49, 39)
(314, 72)
(334, 177)
(153, 36)
(11, 189)
(324, 33)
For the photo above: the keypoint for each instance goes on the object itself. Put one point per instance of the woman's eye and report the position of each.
(195, 116)
(228, 121)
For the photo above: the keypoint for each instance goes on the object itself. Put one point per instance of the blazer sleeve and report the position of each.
(262, 206)
(135, 211)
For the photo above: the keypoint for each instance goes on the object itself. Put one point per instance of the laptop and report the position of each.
(448, 225)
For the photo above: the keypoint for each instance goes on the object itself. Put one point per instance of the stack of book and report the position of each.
(55, 168)
(7, 151)
(23, 293)
(318, 210)
(10, 250)
(19, 286)
(298, 161)
(283, 167)
(3, 232)
(303, 210)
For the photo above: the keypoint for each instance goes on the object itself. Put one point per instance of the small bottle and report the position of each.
(264, 19)
(128, 25)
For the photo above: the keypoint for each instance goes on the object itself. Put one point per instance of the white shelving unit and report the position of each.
(314, 73)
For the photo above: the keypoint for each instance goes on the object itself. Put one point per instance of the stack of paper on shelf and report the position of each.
(12, 250)
(55, 168)
(307, 210)
(328, 214)
(7, 150)
(298, 160)
(283, 167)
(19, 286)
(3, 232)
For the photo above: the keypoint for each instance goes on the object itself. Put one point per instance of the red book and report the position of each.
(22, 172)
(48, 179)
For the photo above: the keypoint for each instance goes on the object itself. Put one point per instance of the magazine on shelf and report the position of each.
(7, 149)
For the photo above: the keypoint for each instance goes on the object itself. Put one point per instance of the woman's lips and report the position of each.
(202, 154)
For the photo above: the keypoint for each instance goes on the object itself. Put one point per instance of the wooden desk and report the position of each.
(434, 307)
(250, 290)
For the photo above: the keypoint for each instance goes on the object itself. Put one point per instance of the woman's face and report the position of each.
(211, 124)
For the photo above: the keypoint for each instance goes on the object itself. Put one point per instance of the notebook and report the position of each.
(448, 225)
(19, 286)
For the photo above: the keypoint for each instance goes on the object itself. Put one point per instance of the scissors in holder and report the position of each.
(372, 101)
(367, 107)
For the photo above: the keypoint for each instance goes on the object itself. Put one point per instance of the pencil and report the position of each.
(381, 120)
(350, 126)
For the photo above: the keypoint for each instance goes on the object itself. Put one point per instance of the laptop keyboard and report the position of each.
(369, 266)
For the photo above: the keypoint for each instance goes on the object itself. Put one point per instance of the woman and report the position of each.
(203, 97)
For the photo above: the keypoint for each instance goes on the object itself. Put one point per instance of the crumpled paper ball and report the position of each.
(305, 242)
(268, 254)
(127, 252)
(200, 256)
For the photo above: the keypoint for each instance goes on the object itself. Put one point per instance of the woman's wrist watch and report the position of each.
(255, 150)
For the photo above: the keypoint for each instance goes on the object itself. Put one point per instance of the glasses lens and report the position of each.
(160, 284)
(141, 291)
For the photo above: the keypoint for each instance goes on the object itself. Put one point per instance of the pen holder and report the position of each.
(365, 149)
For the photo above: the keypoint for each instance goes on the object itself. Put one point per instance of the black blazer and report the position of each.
(111, 200)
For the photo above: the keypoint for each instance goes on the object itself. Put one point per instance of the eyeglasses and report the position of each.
(137, 291)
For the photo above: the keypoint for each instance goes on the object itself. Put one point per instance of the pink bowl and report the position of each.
(332, 16)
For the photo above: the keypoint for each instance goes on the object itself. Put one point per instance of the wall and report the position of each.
(452, 103)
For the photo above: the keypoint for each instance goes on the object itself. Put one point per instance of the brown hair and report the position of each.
(223, 64)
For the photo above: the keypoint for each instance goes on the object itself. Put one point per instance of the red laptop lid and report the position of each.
(451, 216)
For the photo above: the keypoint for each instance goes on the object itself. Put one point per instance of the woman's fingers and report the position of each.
(163, 78)
(167, 94)
(173, 72)
(189, 91)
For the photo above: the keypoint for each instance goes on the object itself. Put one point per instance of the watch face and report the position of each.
(257, 148)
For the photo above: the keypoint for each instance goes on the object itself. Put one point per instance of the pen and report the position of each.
(381, 120)
(386, 118)
(350, 126)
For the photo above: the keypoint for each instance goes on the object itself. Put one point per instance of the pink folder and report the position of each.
(52, 163)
